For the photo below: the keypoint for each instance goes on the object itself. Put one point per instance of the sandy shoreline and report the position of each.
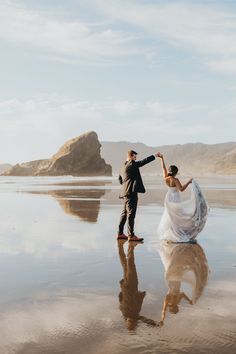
(63, 266)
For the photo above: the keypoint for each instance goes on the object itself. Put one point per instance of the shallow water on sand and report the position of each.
(67, 286)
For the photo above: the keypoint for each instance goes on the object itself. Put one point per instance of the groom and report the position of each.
(132, 184)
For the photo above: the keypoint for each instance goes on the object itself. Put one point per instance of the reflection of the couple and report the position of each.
(131, 299)
(184, 263)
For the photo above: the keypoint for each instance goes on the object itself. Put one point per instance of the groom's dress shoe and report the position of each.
(135, 238)
(122, 237)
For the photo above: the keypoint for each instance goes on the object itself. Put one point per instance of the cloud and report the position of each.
(207, 29)
(54, 113)
(127, 28)
(54, 119)
(170, 109)
(224, 66)
(49, 33)
(125, 107)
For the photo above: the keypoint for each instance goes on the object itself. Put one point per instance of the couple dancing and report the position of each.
(181, 221)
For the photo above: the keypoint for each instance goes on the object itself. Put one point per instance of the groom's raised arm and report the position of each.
(146, 160)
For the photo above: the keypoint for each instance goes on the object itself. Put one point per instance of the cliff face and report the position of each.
(77, 157)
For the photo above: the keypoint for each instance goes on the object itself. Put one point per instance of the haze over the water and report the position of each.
(158, 72)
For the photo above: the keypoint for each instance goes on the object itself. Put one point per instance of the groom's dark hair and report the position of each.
(131, 153)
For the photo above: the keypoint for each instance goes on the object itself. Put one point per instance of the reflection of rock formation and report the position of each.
(184, 263)
(82, 203)
(131, 299)
(77, 157)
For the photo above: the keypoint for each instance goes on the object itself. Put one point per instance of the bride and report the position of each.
(182, 220)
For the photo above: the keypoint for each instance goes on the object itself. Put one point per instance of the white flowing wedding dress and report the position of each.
(183, 220)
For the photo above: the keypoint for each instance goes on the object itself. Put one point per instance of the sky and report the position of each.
(153, 71)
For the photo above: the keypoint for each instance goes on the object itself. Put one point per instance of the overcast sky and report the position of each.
(153, 71)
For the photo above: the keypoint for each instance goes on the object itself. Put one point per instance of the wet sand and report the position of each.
(69, 287)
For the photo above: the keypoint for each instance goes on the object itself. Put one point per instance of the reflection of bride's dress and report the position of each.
(184, 263)
(183, 220)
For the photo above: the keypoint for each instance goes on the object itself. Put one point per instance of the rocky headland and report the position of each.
(77, 157)
(4, 167)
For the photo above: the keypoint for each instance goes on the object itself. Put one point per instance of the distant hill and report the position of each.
(81, 156)
(4, 167)
(192, 158)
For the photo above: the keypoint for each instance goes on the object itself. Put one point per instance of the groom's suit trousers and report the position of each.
(128, 214)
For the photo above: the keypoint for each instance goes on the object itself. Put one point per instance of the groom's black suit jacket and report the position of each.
(130, 177)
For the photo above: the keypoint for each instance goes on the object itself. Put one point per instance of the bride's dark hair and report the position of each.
(172, 170)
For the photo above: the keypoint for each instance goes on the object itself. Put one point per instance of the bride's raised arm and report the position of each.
(181, 187)
(164, 169)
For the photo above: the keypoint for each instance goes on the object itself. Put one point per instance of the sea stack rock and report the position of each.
(77, 157)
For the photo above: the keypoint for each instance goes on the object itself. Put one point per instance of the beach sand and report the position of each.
(68, 286)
